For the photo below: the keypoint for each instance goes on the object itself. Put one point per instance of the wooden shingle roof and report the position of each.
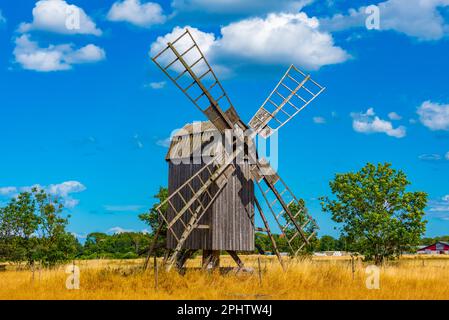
(192, 138)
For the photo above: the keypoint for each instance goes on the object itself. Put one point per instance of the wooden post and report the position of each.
(237, 259)
(153, 245)
(73, 269)
(260, 271)
(156, 273)
(353, 267)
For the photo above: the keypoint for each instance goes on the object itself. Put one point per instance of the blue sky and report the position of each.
(85, 113)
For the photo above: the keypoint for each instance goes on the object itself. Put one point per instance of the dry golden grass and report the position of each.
(318, 278)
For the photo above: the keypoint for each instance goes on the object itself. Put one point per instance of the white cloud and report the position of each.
(86, 54)
(66, 188)
(2, 18)
(394, 116)
(439, 208)
(137, 141)
(62, 190)
(281, 39)
(370, 123)
(60, 17)
(164, 142)
(70, 203)
(232, 7)
(137, 13)
(157, 85)
(116, 230)
(278, 39)
(415, 18)
(429, 157)
(319, 120)
(122, 208)
(29, 188)
(55, 57)
(447, 156)
(139, 144)
(434, 116)
(441, 205)
(7, 191)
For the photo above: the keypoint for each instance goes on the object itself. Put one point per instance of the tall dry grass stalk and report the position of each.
(319, 278)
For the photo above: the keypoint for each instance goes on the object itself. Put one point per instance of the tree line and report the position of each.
(375, 215)
(33, 231)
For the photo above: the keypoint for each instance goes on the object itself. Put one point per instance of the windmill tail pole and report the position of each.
(153, 244)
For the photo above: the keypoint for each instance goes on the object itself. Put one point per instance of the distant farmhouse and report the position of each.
(439, 247)
(331, 254)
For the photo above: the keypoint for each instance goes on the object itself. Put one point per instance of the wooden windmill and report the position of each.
(212, 204)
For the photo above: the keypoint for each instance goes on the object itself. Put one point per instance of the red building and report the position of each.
(436, 248)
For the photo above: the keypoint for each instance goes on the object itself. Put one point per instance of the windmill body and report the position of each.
(212, 203)
(228, 225)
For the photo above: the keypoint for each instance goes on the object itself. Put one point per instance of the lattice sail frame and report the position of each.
(276, 206)
(292, 94)
(186, 66)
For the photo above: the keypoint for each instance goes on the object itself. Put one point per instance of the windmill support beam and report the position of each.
(236, 258)
(211, 259)
(182, 259)
(153, 245)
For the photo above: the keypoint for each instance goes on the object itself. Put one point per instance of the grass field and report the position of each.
(318, 278)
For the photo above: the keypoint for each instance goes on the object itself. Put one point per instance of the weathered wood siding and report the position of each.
(230, 218)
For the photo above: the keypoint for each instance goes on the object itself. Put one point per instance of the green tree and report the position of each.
(96, 244)
(125, 245)
(18, 224)
(32, 228)
(152, 217)
(262, 242)
(378, 217)
(328, 243)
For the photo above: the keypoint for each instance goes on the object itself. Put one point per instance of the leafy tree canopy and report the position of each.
(379, 218)
(32, 228)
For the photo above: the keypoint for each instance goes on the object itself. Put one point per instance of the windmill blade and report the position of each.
(186, 206)
(184, 63)
(291, 95)
(191, 225)
(200, 183)
(269, 234)
(279, 198)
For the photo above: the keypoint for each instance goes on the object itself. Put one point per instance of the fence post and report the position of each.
(156, 273)
(353, 267)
